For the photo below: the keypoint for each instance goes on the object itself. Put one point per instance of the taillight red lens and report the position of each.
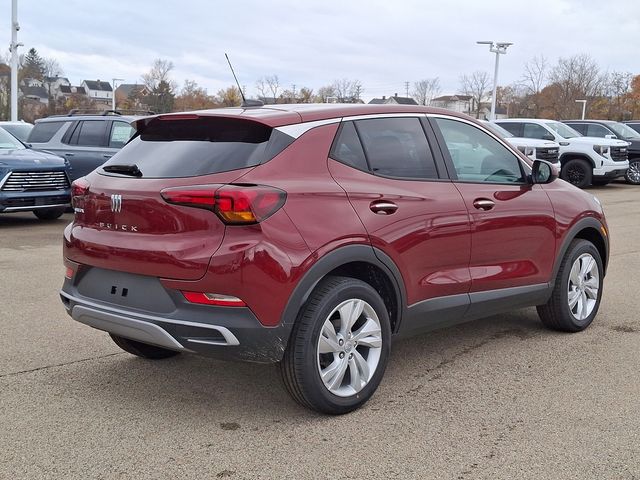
(213, 299)
(79, 188)
(234, 204)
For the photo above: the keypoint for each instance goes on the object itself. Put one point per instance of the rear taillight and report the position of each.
(233, 204)
(79, 188)
(213, 299)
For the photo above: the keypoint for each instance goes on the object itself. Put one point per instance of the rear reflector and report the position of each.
(233, 204)
(213, 299)
(69, 273)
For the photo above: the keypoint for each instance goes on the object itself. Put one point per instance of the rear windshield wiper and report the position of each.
(132, 170)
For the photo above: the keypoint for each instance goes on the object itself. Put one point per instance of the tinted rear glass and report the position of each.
(188, 148)
(44, 131)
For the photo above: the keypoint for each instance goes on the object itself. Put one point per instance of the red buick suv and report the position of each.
(313, 235)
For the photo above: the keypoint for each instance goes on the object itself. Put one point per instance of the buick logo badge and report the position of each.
(116, 203)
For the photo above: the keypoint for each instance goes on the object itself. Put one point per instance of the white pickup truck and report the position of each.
(584, 160)
(533, 148)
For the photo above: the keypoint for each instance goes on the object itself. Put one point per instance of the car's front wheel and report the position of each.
(577, 172)
(633, 174)
(49, 213)
(339, 347)
(576, 295)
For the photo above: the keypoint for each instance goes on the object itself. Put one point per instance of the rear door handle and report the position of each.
(483, 204)
(107, 155)
(383, 207)
(68, 154)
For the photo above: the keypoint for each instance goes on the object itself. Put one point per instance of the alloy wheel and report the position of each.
(584, 283)
(633, 174)
(349, 347)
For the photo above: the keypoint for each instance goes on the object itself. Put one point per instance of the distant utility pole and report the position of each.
(406, 87)
(293, 88)
(14, 59)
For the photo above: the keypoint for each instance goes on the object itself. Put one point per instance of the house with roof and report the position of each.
(457, 103)
(36, 93)
(132, 96)
(98, 91)
(395, 99)
(66, 91)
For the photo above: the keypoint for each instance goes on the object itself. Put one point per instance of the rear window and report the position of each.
(193, 147)
(44, 131)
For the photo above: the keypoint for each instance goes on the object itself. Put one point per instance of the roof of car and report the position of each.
(67, 118)
(286, 114)
(606, 122)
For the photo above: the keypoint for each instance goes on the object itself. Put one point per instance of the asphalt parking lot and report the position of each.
(500, 398)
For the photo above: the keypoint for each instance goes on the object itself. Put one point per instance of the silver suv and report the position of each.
(86, 141)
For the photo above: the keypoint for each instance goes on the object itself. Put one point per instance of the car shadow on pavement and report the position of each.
(188, 385)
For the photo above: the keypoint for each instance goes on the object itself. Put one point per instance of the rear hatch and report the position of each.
(124, 223)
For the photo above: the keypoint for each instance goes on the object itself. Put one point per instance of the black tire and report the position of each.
(48, 214)
(556, 314)
(142, 350)
(633, 174)
(577, 172)
(299, 367)
(600, 183)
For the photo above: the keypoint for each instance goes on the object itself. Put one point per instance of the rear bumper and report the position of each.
(227, 333)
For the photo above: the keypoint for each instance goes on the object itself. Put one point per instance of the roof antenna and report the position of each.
(245, 102)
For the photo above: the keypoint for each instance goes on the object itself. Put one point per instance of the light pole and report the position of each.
(14, 60)
(113, 95)
(499, 48)
(584, 106)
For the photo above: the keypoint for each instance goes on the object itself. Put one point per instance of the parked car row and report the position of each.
(594, 153)
(38, 163)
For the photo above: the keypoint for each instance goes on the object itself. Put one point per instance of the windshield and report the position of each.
(21, 132)
(563, 130)
(498, 130)
(623, 131)
(9, 141)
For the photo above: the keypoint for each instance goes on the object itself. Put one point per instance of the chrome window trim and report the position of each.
(296, 130)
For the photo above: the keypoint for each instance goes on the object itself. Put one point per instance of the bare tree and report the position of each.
(535, 75)
(425, 90)
(577, 77)
(274, 85)
(347, 91)
(476, 86)
(158, 73)
(324, 93)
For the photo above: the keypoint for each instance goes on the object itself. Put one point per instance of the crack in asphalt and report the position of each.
(46, 367)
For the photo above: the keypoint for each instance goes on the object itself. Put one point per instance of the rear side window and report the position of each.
(202, 146)
(514, 129)
(348, 149)
(44, 131)
(121, 132)
(89, 133)
(580, 127)
(397, 147)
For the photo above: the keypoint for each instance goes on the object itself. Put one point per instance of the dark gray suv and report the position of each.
(86, 141)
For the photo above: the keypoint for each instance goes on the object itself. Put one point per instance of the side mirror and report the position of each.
(610, 136)
(543, 172)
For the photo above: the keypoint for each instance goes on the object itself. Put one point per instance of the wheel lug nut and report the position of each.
(341, 355)
(350, 356)
(340, 342)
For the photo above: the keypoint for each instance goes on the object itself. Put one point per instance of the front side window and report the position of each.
(477, 156)
(397, 147)
(595, 130)
(565, 131)
(533, 130)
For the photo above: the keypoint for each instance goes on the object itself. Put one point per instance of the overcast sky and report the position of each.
(311, 43)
